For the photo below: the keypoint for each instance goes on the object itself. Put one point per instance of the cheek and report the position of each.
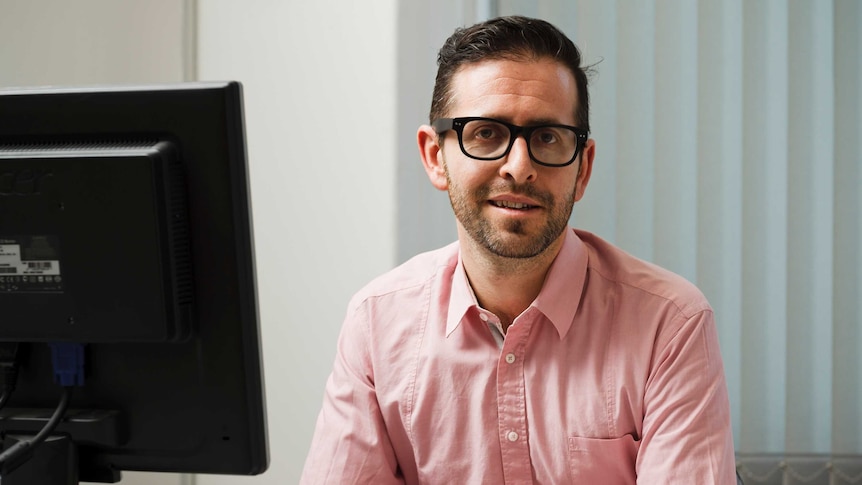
(465, 174)
(563, 181)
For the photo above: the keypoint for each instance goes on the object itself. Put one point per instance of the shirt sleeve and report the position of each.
(687, 435)
(350, 443)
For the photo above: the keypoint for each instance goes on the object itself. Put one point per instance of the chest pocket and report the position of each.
(605, 461)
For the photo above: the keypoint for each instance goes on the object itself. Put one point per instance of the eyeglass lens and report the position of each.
(489, 139)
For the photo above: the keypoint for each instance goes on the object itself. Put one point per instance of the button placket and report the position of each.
(511, 401)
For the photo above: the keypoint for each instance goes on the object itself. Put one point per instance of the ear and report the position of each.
(432, 157)
(588, 153)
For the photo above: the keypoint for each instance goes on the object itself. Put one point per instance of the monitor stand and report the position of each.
(58, 460)
(52, 462)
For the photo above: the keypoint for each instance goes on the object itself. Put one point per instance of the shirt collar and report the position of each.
(558, 300)
(561, 294)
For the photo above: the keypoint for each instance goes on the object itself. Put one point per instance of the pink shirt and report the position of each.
(612, 376)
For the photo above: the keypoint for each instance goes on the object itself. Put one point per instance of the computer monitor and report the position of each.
(126, 230)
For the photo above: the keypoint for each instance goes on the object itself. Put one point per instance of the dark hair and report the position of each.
(514, 38)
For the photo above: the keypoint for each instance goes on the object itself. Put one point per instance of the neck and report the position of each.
(506, 286)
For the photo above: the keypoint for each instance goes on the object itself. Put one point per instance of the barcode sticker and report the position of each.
(40, 267)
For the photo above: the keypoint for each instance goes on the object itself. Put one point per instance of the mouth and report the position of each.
(505, 204)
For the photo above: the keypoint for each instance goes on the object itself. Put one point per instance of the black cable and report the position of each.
(52, 423)
(17, 453)
(67, 359)
(10, 361)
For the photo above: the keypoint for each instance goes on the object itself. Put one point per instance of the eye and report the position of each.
(485, 131)
(546, 136)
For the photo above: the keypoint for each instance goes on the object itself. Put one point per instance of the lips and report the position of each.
(511, 205)
(523, 197)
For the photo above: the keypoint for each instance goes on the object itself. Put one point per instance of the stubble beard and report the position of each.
(512, 240)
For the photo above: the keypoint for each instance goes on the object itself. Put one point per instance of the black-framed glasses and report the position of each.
(489, 139)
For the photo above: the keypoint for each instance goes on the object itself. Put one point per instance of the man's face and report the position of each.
(512, 207)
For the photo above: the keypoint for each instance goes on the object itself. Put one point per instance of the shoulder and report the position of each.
(639, 279)
(392, 310)
(409, 277)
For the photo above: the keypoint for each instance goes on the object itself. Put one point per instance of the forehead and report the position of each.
(519, 91)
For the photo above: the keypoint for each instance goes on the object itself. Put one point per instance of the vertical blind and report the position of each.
(729, 150)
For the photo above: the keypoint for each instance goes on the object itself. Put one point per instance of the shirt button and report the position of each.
(512, 436)
(510, 358)
(483, 317)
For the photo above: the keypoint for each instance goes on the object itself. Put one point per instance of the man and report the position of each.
(527, 351)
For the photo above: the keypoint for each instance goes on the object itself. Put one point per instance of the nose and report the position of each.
(518, 166)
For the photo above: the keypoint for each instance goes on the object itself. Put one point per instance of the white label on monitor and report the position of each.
(10, 259)
(36, 268)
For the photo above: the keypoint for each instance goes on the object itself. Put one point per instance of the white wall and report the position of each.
(319, 85)
(57, 42)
